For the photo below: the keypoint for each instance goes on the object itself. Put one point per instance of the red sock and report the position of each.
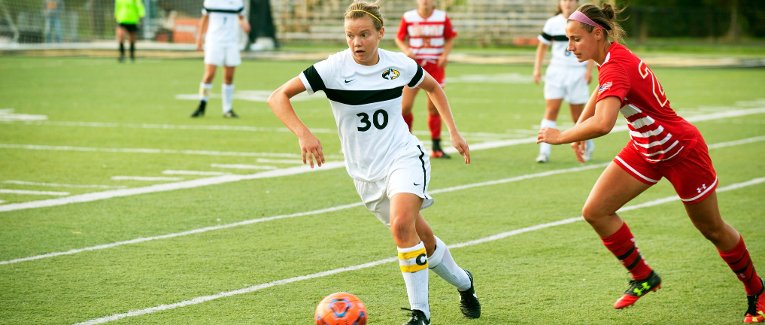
(434, 122)
(622, 245)
(409, 119)
(739, 261)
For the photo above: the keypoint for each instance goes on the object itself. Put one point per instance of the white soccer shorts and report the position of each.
(222, 55)
(409, 174)
(567, 83)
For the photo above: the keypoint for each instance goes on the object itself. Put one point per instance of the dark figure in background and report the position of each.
(262, 36)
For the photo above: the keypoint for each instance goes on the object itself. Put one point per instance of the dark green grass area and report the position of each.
(104, 120)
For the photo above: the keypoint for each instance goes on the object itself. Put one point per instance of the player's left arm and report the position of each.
(444, 58)
(244, 24)
(438, 97)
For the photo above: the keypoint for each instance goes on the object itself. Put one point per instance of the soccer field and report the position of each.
(116, 206)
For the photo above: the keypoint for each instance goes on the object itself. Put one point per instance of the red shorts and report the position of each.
(431, 66)
(691, 174)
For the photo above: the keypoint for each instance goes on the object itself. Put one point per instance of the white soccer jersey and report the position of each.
(366, 103)
(554, 32)
(223, 24)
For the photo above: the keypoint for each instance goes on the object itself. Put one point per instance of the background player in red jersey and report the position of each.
(426, 35)
(662, 144)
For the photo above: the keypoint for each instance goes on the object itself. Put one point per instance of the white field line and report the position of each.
(295, 161)
(203, 299)
(293, 215)
(244, 166)
(333, 209)
(192, 172)
(28, 192)
(283, 172)
(695, 118)
(145, 178)
(16, 182)
(219, 128)
(154, 151)
(96, 196)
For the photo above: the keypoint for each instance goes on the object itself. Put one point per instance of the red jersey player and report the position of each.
(662, 144)
(426, 35)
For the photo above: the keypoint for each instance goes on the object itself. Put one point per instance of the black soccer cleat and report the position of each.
(200, 109)
(230, 114)
(469, 304)
(437, 151)
(638, 289)
(418, 318)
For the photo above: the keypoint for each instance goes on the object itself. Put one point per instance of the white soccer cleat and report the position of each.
(543, 158)
(589, 148)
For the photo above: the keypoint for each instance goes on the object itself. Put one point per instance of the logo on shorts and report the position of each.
(391, 74)
(701, 189)
(605, 86)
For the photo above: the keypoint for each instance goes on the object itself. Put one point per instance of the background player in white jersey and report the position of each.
(219, 35)
(426, 35)
(566, 77)
(391, 172)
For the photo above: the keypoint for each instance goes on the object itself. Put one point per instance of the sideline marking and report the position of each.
(292, 215)
(203, 299)
(16, 182)
(145, 178)
(335, 208)
(89, 197)
(28, 192)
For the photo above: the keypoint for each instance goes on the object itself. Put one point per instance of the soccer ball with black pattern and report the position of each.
(341, 308)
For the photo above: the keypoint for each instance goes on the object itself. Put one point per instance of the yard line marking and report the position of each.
(325, 210)
(153, 151)
(145, 178)
(192, 172)
(59, 185)
(28, 192)
(200, 182)
(288, 216)
(242, 166)
(288, 171)
(251, 289)
(239, 128)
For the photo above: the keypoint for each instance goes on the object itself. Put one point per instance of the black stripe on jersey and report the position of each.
(314, 79)
(424, 172)
(560, 38)
(546, 36)
(225, 11)
(361, 97)
(416, 78)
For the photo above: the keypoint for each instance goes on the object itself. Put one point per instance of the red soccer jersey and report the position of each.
(426, 35)
(657, 132)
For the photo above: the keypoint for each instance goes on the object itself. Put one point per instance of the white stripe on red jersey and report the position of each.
(426, 36)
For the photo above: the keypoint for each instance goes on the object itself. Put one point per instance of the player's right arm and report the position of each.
(310, 146)
(202, 28)
(402, 39)
(541, 51)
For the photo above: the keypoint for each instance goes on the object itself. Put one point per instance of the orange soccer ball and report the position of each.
(341, 308)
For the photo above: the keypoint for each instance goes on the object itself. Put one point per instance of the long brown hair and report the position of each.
(604, 16)
(359, 9)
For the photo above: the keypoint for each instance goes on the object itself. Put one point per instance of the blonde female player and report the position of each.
(387, 163)
(565, 78)
(662, 145)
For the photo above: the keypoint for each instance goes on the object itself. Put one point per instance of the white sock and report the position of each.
(413, 262)
(443, 264)
(204, 91)
(545, 147)
(228, 97)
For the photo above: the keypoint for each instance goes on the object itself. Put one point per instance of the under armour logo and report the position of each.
(639, 291)
(701, 189)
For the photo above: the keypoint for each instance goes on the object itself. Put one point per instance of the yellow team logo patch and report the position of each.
(391, 74)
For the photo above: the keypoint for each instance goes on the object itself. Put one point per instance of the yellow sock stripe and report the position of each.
(408, 260)
(413, 268)
(411, 255)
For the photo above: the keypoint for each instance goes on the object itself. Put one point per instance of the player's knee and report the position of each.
(402, 227)
(592, 214)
